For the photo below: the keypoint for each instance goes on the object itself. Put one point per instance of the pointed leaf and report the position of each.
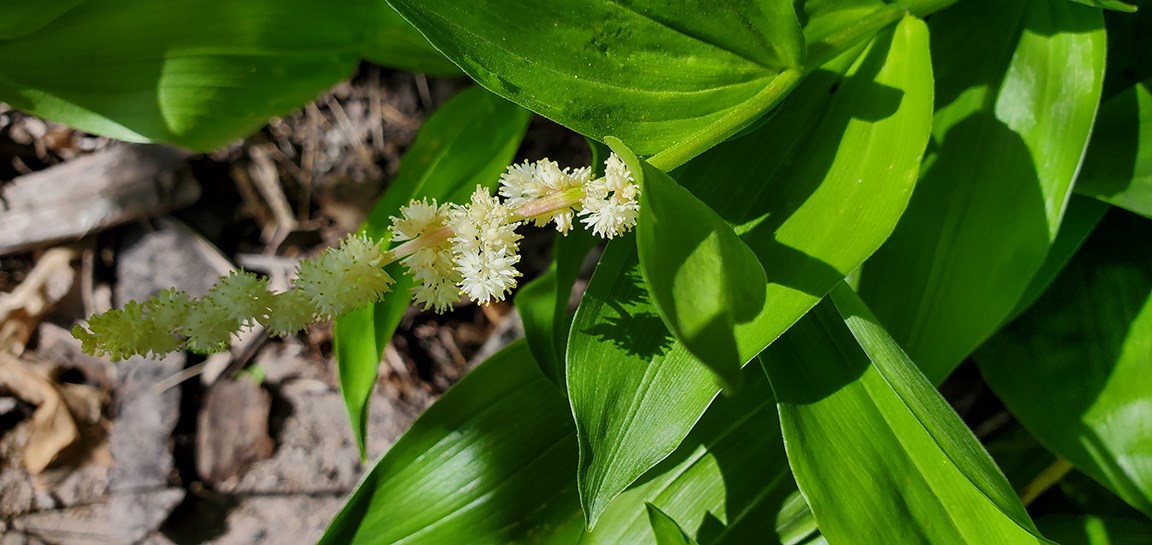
(666, 530)
(878, 454)
(813, 193)
(702, 278)
(469, 141)
(1018, 85)
(1074, 369)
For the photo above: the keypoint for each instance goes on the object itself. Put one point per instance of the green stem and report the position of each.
(785, 82)
(1045, 480)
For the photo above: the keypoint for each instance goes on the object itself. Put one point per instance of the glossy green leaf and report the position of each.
(1116, 5)
(1081, 218)
(727, 484)
(702, 278)
(1093, 530)
(813, 193)
(1018, 83)
(21, 17)
(469, 141)
(397, 44)
(649, 72)
(878, 454)
(195, 73)
(666, 530)
(463, 470)
(494, 461)
(1118, 167)
(1074, 369)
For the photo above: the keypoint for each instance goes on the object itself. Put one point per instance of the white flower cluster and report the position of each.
(472, 249)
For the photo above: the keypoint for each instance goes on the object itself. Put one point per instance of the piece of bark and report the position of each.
(92, 193)
(232, 431)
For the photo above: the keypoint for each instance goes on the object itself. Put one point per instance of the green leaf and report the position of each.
(702, 278)
(198, 73)
(469, 141)
(21, 17)
(1116, 5)
(494, 460)
(666, 530)
(1093, 530)
(397, 44)
(813, 193)
(1118, 167)
(543, 303)
(464, 471)
(1018, 84)
(878, 454)
(738, 435)
(1074, 369)
(647, 71)
(1081, 218)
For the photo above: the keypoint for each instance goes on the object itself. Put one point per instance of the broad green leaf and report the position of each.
(22, 17)
(1074, 369)
(1118, 167)
(397, 44)
(813, 193)
(878, 454)
(490, 462)
(1116, 5)
(469, 141)
(1093, 530)
(493, 461)
(198, 73)
(702, 278)
(647, 71)
(1018, 83)
(1081, 218)
(666, 530)
(728, 482)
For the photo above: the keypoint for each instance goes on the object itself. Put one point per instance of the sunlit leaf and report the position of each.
(813, 193)
(878, 454)
(469, 141)
(1018, 83)
(1074, 369)
(702, 278)
(666, 530)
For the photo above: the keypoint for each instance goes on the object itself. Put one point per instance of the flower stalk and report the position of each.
(450, 250)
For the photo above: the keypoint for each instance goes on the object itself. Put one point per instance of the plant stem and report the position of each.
(1045, 480)
(548, 204)
(426, 240)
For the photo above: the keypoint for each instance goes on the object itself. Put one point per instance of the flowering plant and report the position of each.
(820, 208)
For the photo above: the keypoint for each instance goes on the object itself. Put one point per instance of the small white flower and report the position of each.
(485, 247)
(610, 204)
(523, 183)
(416, 218)
(431, 266)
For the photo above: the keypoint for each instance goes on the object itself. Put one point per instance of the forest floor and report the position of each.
(250, 446)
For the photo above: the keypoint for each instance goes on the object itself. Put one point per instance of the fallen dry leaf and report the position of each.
(52, 427)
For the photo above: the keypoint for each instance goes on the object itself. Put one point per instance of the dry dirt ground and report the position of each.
(251, 446)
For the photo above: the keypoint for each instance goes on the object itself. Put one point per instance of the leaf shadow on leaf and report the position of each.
(813, 335)
(635, 328)
(1110, 164)
(1071, 332)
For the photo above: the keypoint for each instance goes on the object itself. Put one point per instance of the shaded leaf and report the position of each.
(397, 44)
(1093, 530)
(195, 73)
(813, 193)
(21, 17)
(1074, 369)
(469, 141)
(1116, 5)
(1018, 84)
(878, 454)
(702, 278)
(1118, 167)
